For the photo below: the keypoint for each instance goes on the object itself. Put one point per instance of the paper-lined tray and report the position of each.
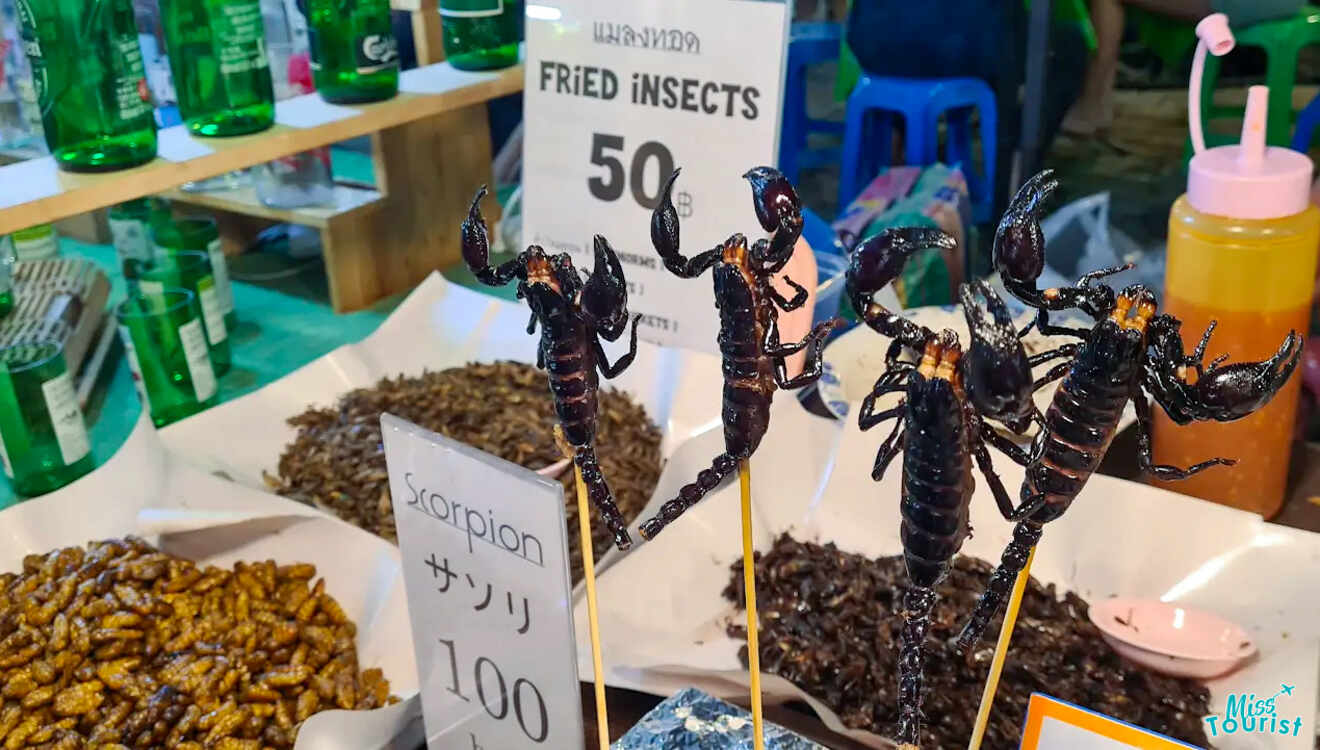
(439, 325)
(144, 491)
(663, 618)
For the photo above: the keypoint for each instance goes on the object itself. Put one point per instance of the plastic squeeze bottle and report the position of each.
(1243, 242)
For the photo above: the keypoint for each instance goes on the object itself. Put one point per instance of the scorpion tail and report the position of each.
(601, 497)
(723, 465)
(918, 602)
(1025, 537)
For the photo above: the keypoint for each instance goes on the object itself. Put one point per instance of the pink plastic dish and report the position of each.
(555, 469)
(1171, 638)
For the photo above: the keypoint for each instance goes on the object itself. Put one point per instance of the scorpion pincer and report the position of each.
(753, 357)
(574, 317)
(939, 426)
(1130, 351)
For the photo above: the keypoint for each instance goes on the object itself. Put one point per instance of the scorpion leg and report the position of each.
(987, 467)
(789, 305)
(1092, 300)
(814, 366)
(1145, 452)
(867, 420)
(918, 602)
(985, 434)
(1198, 356)
(476, 249)
(772, 347)
(1042, 323)
(601, 497)
(723, 465)
(1067, 350)
(664, 236)
(890, 382)
(1025, 536)
(1011, 449)
(1051, 375)
(892, 354)
(540, 358)
(890, 448)
(531, 324)
(611, 371)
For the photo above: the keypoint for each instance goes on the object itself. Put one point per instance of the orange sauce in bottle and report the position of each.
(1255, 277)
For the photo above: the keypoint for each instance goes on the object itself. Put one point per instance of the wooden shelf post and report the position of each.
(428, 171)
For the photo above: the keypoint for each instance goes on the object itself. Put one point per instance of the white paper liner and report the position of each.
(441, 325)
(143, 491)
(663, 618)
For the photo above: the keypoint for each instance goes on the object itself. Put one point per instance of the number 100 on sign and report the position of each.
(504, 699)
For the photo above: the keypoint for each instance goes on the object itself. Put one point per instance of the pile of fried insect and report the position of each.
(950, 396)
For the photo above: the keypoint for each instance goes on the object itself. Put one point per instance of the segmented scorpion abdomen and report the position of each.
(937, 479)
(571, 368)
(748, 380)
(1081, 421)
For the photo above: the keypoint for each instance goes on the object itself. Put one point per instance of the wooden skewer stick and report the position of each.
(749, 587)
(1001, 651)
(589, 576)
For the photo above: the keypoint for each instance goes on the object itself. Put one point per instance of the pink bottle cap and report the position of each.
(1249, 180)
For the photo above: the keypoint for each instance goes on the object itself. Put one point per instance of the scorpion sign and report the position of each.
(574, 317)
(1131, 350)
(939, 426)
(749, 343)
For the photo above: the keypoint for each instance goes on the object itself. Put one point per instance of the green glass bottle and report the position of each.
(355, 57)
(6, 276)
(36, 243)
(481, 34)
(217, 52)
(90, 82)
(130, 224)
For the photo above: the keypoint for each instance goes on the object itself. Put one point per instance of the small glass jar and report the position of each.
(167, 353)
(43, 437)
(199, 234)
(130, 228)
(191, 270)
(36, 243)
(481, 34)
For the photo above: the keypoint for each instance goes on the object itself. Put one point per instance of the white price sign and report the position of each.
(485, 564)
(618, 94)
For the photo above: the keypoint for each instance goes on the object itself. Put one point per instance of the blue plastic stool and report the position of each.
(920, 102)
(1307, 121)
(809, 43)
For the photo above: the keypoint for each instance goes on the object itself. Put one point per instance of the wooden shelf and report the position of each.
(350, 202)
(36, 192)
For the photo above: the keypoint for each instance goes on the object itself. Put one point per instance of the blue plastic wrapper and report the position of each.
(693, 720)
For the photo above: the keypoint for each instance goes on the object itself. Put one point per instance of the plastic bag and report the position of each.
(1079, 239)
